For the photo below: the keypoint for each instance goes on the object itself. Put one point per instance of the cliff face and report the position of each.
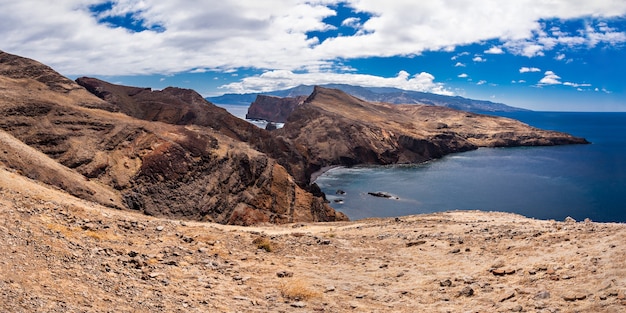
(334, 128)
(54, 131)
(274, 109)
(187, 107)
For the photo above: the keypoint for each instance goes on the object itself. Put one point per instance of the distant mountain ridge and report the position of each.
(376, 94)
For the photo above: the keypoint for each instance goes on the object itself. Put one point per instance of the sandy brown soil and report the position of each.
(62, 254)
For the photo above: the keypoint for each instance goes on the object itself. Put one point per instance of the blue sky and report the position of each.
(561, 55)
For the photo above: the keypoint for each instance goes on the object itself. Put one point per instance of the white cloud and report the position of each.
(283, 79)
(272, 34)
(481, 82)
(529, 69)
(463, 75)
(459, 64)
(559, 57)
(576, 85)
(479, 59)
(459, 55)
(550, 78)
(353, 22)
(494, 50)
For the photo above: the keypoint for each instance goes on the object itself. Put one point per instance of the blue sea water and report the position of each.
(581, 181)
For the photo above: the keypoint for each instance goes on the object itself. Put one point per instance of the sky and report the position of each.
(558, 55)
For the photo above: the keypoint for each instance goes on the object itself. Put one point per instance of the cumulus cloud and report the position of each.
(528, 69)
(463, 75)
(494, 50)
(481, 82)
(576, 85)
(183, 36)
(550, 78)
(459, 64)
(479, 59)
(283, 79)
(353, 22)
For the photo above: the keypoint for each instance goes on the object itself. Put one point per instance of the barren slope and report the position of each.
(187, 107)
(159, 169)
(63, 254)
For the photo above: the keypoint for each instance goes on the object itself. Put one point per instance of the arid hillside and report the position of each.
(55, 131)
(63, 254)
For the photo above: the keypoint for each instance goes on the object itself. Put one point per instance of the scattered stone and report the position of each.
(160, 228)
(298, 304)
(241, 298)
(517, 308)
(542, 295)
(330, 289)
(507, 296)
(445, 283)
(415, 243)
(283, 274)
(467, 291)
(360, 296)
(502, 271)
(498, 272)
(89, 226)
(570, 220)
(569, 297)
(574, 297)
(340, 192)
(455, 251)
(323, 242)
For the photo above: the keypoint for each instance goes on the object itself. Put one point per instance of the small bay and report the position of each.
(581, 181)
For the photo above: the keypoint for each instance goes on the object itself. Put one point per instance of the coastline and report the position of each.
(315, 175)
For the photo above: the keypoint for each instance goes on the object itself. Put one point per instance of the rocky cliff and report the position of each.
(334, 128)
(55, 131)
(273, 109)
(186, 107)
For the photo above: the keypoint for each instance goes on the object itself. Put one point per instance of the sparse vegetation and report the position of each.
(298, 289)
(262, 242)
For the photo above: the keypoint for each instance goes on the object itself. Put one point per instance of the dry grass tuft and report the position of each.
(262, 242)
(298, 289)
(101, 236)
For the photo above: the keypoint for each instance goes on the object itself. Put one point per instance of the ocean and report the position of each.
(580, 181)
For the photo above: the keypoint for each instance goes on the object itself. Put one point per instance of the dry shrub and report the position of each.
(101, 236)
(298, 289)
(262, 242)
(67, 232)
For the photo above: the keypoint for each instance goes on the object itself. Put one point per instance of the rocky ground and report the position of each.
(62, 254)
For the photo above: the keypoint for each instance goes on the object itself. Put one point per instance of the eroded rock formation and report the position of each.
(57, 132)
(334, 128)
(273, 109)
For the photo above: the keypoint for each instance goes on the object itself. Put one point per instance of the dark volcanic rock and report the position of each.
(192, 171)
(185, 107)
(273, 109)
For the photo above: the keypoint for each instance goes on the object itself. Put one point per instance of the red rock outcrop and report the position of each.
(187, 107)
(63, 135)
(273, 109)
